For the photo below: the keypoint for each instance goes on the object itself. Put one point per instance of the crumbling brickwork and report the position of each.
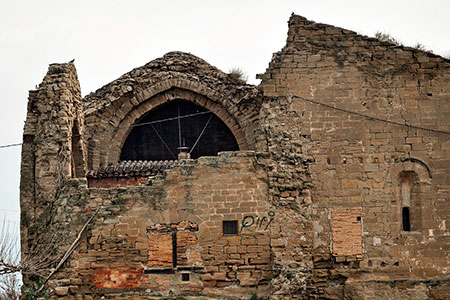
(339, 190)
(146, 237)
(356, 162)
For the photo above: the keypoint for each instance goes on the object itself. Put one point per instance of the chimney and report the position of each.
(183, 153)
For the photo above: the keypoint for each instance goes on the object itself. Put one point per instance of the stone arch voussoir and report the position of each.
(126, 112)
(422, 171)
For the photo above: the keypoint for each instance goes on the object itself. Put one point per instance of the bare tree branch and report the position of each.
(9, 250)
(9, 287)
(70, 250)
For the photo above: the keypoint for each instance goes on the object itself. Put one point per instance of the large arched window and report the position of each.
(153, 139)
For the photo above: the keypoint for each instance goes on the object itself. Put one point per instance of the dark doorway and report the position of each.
(155, 140)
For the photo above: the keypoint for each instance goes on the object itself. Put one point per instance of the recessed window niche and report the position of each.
(162, 131)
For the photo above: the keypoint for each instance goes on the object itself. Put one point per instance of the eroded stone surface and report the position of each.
(318, 201)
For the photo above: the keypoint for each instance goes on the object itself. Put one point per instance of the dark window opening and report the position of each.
(185, 277)
(411, 212)
(230, 227)
(174, 248)
(78, 169)
(358, 219)
(405, 219)
(161, 140)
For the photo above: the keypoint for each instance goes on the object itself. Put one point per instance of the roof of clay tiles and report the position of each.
(173, 65)
(132, 168)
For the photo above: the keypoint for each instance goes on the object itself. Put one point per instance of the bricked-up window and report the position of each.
(161, 249)
(230, 227)
(160, 141)
(173, 246)
(347, 232)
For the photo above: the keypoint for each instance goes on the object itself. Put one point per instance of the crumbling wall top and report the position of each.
(303, 32)
(174, 66)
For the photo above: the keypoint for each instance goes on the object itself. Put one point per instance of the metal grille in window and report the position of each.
(230, 227)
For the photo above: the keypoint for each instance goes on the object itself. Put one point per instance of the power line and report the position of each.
(290, 96)
(201, 133)
(10, 145)
(367, 116)
(164, 142)
(131, 126)
(164, 120)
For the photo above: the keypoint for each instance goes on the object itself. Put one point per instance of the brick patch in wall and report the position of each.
(347, 232)
(187, 253)
(161, 249)
(125, 277)
(173, 245)
(113, 182)
(156, 282)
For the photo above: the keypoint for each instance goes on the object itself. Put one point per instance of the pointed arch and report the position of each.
(118, 126)
(112, 109)
(198, 130)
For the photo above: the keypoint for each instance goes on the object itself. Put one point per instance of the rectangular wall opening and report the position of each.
(230, 227)
(406, 219)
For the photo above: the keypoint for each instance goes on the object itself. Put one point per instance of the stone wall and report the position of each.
(52, 152)
(145, 238)
(344, 194)
(356, 162)
(111, 110)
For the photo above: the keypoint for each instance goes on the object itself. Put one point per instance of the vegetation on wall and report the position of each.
(237, 73)
(387, 37)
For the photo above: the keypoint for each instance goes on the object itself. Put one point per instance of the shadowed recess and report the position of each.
(153, 141)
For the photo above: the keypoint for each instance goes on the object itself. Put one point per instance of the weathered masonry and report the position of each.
(329, 180)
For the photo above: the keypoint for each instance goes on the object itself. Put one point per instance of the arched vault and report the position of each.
(112, 111)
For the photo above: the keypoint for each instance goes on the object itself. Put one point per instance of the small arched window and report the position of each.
(185, 125)
(411, 178)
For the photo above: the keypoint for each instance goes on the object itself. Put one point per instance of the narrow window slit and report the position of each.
(174, 248)
(406, 185)
(406, 219)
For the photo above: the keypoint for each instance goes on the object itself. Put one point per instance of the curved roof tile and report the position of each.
(132, 168)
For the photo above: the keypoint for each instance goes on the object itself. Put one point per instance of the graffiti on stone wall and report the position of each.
(254, 223)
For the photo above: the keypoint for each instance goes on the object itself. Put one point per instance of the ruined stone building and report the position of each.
(328, 180)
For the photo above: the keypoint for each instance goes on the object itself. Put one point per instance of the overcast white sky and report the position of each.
(109, 38)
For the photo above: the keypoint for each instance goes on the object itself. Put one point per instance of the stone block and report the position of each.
(62, 291)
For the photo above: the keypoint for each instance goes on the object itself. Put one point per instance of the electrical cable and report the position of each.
(367, 116)
(201, 133)
(10, 145)
(162, 140)
(131, 126)
(290, 96)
